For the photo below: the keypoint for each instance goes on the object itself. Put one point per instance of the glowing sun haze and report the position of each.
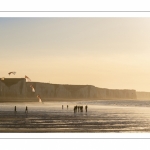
(105, 52)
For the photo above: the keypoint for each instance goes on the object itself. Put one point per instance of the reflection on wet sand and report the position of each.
(102, 116)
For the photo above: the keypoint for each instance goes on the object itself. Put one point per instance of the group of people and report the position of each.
(26, 109)
(63, 107)
(79, 108)
(76, 108)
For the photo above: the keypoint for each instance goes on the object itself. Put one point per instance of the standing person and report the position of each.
(26, 110)
(74, 109)
(81, 108)
(67, 106)
(62, 106)
(78, 108)
(15, 110)
(86, 108)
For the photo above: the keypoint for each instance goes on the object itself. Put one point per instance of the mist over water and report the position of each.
(102, 116)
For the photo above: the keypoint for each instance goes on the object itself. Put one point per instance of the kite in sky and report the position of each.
(38, 96)
(33, 90)
(12, 73)
(27, 78)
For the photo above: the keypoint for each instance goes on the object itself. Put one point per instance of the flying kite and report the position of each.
(38, 96)
(27, 78)
(12, 73)
(33, 90)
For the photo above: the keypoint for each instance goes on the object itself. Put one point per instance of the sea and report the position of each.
(102, 116)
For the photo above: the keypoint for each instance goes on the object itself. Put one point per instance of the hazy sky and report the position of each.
(105, 52)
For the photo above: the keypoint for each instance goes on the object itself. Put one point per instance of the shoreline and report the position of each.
(8, 100)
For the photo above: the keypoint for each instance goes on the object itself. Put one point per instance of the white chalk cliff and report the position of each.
(18, 87)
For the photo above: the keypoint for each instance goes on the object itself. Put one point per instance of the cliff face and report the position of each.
(79, 91)
(12, 87)
(18, 87)
(143, 95)
(103, 93)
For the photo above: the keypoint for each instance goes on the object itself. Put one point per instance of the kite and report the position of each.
(2, 78)
(38, 96)
(12, 73)
(33, 90)
(27, 78)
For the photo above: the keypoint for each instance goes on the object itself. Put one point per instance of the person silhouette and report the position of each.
(86, 108)
(15, 110)
(26, 110)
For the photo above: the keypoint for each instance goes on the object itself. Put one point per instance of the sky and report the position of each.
(109, 53)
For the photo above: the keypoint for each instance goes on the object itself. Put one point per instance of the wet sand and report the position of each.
(102, 116)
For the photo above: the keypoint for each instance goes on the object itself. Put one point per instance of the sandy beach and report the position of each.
(102, 116)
